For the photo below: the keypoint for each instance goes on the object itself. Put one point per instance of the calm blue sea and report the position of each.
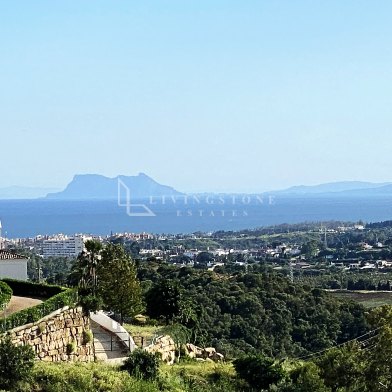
(23, 218)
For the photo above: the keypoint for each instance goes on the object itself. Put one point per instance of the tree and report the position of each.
(89, 260)
(84, 274)
(378, 372)
(84, 270)
(258, 371)
(204, 258)
(342, 368)
(142, 364)
(164, 299)
(307, 378)
(304, 378)
(117, 283)
(310, 249)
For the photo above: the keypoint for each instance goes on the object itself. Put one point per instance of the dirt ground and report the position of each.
(369, 299)
(19, 303)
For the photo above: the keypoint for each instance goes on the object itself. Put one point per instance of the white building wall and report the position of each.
(14, 269)
(64, 247)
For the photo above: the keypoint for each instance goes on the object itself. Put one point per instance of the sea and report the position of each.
(183, 214)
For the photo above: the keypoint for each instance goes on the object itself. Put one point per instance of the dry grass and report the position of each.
(145, 331)
(369, 299)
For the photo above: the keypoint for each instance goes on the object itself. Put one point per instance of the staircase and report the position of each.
(111, 341)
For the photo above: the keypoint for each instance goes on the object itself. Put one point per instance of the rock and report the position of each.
(208, 352)
(165, 346)
(218, 357)
(194, 349)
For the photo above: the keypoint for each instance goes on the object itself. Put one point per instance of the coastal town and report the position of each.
(314, 249)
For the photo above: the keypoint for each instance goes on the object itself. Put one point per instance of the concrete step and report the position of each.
(108, 348)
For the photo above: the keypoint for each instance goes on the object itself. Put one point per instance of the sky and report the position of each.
(206, 95)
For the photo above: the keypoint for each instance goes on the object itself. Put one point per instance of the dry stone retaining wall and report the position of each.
(60, 336)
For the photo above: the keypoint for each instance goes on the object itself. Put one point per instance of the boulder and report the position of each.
(165, 346)
(197, 351)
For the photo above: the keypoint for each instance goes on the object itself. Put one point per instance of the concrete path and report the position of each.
(107, 346)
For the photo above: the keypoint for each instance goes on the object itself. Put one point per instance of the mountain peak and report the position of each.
(96, 186)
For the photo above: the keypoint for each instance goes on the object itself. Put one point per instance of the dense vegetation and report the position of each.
(277, 334)
(16, 364)
(255, 312)
(362, 365)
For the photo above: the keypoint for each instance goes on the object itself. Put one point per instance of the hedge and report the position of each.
(5, 294)
(30, 289)
(65, 298)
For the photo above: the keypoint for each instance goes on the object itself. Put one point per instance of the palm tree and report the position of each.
(86, 266)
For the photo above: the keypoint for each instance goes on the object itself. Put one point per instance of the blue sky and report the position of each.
(200, 95)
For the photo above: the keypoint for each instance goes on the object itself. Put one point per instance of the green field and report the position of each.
(369, 299)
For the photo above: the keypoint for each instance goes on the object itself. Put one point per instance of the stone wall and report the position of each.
(63, 335)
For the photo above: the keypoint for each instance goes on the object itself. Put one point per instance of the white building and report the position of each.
(12, 265)
(1, 236)
(63, 246)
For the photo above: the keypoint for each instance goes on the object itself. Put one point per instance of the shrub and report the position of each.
(71, 348)
(5, 294)
(16, 363)
(304, 378)
(29, 289)
(41, 328)
(90, 303)
(87, 337)
(142, 364)
(84, 377)
(258, 371)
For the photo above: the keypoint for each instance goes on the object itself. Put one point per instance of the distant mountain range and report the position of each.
(94, 186)
(351, 187)
(98, 187)
(22, 192)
